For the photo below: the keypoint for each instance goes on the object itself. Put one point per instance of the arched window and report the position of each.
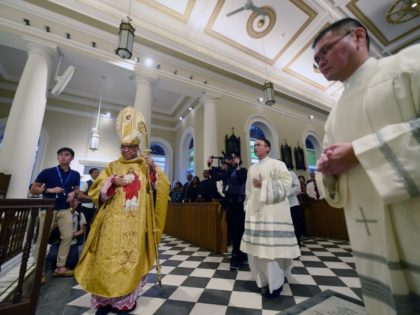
(254, 133)
(312, 150)
(186, 154)
(3, 122)
(259, 127)
(159, 156)
(191, 157)
(40, 153)
(162, 153)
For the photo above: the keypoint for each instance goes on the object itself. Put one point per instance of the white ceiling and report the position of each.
(196, 45)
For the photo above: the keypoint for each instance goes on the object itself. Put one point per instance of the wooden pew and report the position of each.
(322, 220)
(200, 223)
(18, 219)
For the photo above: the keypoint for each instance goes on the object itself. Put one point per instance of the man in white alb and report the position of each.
(371, 162)
(269, 238)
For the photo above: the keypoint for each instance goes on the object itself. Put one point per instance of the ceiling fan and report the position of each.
(248, 6)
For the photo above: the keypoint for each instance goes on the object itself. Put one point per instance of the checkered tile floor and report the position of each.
(195, 281)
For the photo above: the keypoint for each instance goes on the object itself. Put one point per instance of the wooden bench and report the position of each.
(322, 220)
(200, 223)
(18, 225)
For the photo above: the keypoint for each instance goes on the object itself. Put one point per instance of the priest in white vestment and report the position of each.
(269, 238)
(371, 162)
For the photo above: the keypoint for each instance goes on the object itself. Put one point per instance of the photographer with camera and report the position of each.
(234, 179)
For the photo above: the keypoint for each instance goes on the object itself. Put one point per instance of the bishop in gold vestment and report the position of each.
(121, 247)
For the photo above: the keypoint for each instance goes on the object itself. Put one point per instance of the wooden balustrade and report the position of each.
(200, 223)
(18, 219)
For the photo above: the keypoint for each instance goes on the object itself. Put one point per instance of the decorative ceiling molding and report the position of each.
(372, 26)
(307, 10)
(196, 47)
(184, 17)
(402, 11)
(252, 22)
(300, 76)
(220, 69)
(185, 101)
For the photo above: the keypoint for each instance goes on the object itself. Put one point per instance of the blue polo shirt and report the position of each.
(57, 177)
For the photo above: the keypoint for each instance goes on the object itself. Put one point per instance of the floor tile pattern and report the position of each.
(9, 275)
(196, 281)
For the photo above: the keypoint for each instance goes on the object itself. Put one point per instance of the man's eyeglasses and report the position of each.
(326, 49)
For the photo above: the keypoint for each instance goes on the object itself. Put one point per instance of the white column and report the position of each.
(143, 101)
(209, 127)
(24, 123)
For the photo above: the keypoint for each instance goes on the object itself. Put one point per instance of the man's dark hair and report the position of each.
(92, 170)
(267, 143)
(65, 149)
(233, 155)
(342, 26)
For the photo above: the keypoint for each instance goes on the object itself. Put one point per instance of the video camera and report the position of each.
(225, 157)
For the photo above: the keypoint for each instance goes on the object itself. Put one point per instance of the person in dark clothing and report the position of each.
(176, 193)
(186, 186)
(207, 188)
(192, 191)
(87, 207)
(79, 227)
(234, 179)
(302, 196)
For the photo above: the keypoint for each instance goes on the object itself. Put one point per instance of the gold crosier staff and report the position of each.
(147, 151)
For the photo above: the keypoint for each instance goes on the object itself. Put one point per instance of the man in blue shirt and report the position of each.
(62, 183)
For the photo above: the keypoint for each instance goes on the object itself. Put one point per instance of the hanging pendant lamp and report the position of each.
(94, 134)
(126, 39)
(268, 93)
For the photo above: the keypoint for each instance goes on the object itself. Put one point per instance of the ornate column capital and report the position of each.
(45, 48)
(142, 76)
(210, 97)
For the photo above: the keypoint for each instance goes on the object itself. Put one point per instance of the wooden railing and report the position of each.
(325, 221)
(200, 223)
(18, 219)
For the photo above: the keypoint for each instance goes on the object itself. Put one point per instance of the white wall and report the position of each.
(69, 130)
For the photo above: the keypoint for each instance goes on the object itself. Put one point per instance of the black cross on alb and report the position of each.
(366, 221)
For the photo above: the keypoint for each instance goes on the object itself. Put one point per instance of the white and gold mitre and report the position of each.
(131, 127)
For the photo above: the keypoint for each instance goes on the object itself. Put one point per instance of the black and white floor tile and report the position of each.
(196, 281)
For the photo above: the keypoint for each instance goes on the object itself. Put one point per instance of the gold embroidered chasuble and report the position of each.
(120, 249)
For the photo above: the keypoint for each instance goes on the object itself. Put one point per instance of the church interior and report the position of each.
(206, 75)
